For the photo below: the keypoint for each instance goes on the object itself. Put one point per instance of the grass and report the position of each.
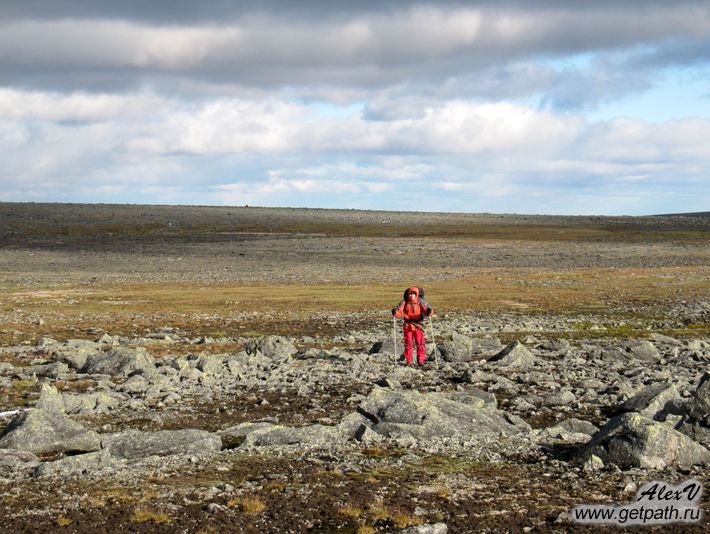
(144, 515)
(248, 505)
(351, 512)
(62, 521)
(552, 231)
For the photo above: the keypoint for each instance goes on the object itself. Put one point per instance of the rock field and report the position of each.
(514, 419)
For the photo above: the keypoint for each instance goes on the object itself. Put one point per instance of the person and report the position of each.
(413, 309)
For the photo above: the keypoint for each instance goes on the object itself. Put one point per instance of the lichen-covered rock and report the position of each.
(121, 361)
(644, 351)
(273, 347)
(653, 401)
(632, 440)
(133, 444)
(515, 355)
(75, 352)
(395, 413)
(50, 400)
(41, 432)
(78, 465)
(16, 464)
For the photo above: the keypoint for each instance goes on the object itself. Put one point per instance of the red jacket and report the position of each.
(413, 310)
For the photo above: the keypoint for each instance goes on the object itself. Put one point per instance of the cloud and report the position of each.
(450, 105)
(369, 49)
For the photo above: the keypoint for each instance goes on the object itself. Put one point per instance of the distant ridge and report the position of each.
(694, 214)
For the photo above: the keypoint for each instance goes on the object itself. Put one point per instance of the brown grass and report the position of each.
(214, 310)
(144, 515)
(248, 505)
(458, 230)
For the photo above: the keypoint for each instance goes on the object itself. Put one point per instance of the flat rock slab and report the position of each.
(394, 413)
(134, 444)
(120, 362)
(42, 432)
(78, 465)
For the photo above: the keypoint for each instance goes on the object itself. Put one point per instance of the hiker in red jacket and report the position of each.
(413, 309)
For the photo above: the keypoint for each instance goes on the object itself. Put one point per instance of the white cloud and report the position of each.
(52, 106)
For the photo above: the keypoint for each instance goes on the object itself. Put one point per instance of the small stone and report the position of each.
(594, 463)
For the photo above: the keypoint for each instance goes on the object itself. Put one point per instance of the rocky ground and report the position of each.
(573, 370)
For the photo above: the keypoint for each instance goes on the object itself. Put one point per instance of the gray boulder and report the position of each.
(699, 403)
(75, 352)
(133, 444)
(515, 355)
(50, 400)
(654, 401)
(79, 465)
(137, 384)
(47, 370)
(395, 413)
(41, 432)
(569, 432)
(387, 346)
(273, 347)
(101, 401)
(458, 349)
(644, 351)
(121, 361)
(312, 436)
(579, 426)
(16, 464)
(464, 349)
(632, 440)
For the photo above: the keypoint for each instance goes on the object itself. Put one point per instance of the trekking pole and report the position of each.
(436, 352)
(394, 338)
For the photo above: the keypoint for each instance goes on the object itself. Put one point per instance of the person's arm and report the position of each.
(428, 310)
(398, 310)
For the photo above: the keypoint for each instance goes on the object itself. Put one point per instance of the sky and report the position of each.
(536, 106)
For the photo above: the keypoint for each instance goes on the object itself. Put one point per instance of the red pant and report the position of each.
(411, 331)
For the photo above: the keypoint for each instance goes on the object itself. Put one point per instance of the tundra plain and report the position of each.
(232, 369)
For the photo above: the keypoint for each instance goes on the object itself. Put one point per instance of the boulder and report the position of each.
(75, 352)
(515, 355)
(16, 464)
(632, 440)
(211, 365)
(653, 401)
(395, 413)
(120, 361)
(644, 351)
(136, 384)
(133, 444)
(458, 349)
(464, 349)
(568, 432)
(47, 370)
(101, 401)
(561, 346)
(311, 436)
(387, 346)
(41, 432)
(50, 400)
(699, 403)
(561, 398)
(273, 347)
(79, 465)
